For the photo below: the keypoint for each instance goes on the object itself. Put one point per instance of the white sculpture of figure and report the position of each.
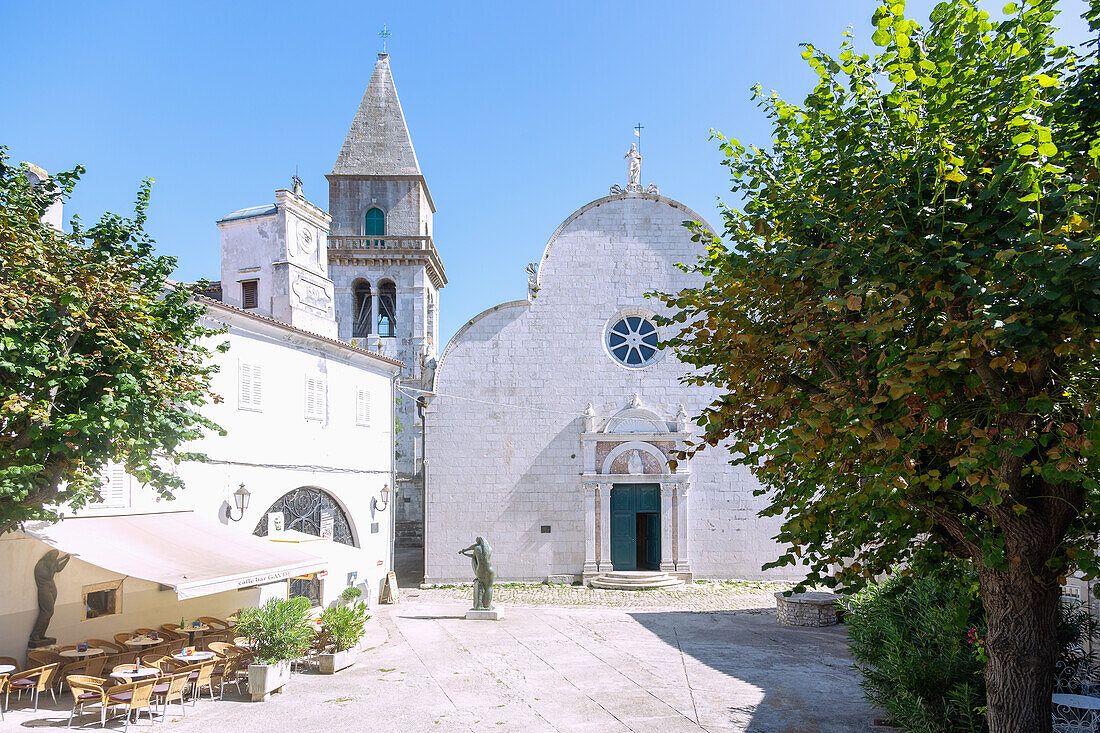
(532, 271)
(634, 464)
(634, 164)
(681, 419)
(635, 401)
(589, 418)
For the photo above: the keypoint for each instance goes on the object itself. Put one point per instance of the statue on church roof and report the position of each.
(633, 164)
(634, 175)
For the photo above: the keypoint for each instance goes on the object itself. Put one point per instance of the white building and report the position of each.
(554, 417)
(309, 430)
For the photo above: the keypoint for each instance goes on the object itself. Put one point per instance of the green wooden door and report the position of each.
(624, 550)
(653, 541)
(627, 501)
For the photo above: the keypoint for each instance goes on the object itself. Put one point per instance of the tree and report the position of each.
(902, 319)
(101, 358)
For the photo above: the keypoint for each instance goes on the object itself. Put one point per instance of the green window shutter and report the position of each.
(374, 224)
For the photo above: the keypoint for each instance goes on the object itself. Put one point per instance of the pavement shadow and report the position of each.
(801, 678)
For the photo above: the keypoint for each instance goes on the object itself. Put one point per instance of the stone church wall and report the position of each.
(508, 468)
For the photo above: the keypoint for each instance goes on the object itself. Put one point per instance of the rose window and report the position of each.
(632, 341)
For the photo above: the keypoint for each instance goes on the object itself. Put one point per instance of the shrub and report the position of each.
(350, 594)
(912, 643)
(919, 646)
(345, 624)
(281, 628)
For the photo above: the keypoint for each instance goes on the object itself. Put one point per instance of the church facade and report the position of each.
(553, 419)
(550, 421)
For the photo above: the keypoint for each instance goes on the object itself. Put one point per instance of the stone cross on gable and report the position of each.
(384, 34)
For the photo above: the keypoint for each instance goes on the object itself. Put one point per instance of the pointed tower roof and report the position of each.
(378, 143)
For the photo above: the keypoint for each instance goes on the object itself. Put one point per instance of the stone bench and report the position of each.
(807, 609)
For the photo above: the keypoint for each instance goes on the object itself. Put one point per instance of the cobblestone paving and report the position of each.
(699, 596)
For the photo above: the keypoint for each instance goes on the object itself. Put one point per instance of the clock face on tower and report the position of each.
(307, 243)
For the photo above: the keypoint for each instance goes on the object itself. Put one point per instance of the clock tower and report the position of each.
(386, 270)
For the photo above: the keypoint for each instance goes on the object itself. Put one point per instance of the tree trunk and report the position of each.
(1021, 612)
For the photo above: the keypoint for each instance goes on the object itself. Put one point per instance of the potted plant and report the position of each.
(344, 625)
(281, 631)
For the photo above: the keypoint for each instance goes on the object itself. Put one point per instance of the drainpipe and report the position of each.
(421, 403)
(393, 469)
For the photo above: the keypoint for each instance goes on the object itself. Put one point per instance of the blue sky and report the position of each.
(520, 112)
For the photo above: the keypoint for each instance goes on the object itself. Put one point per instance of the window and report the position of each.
(387, 309)
(250, 387)
(304, 509)
(374, 223)
(308, 587)
(250, 294)
(102, 599)
(362, 407)
(360, 327)
(632, 341)
(315, 398)
(115, 488)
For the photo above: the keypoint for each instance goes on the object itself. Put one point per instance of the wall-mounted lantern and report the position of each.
(240, 498)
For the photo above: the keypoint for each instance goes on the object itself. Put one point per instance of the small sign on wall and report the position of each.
(275, 522)
(328, 525)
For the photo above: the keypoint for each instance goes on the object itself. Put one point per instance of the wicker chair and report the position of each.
(177, 646)
(39, 657)
(172, 687)
(95, 665)
(88, 689)
(247, 653)
(166, 665)
(121, 639)
(216, 637)
(172, 631)
(36, 680)
(71, 669)
(229, 672)
(108, 647)
(124, 658)
(134, 696)
(3, 686)
(214, 623)
(199, 675)
(220, 648)
(156, 651)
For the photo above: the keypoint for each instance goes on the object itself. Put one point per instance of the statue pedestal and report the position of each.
(476, 615)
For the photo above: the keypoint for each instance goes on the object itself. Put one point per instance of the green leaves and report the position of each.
(101, 358)
(280, 627)
(907, 306)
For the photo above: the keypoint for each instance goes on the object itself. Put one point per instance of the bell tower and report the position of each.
(385, 269)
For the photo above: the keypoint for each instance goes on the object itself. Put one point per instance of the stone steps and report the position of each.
(634, 580)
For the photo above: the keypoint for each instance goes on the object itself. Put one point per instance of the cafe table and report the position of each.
(91, 651)
(143, 641)
(192, 629)
(194, 657)
(1076, 711)
(5, 668)
(131, 672)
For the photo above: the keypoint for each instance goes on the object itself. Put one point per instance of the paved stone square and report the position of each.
(554, 669)
(698, 596)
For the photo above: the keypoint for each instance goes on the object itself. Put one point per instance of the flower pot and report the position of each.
(333, 663)
(264, 679)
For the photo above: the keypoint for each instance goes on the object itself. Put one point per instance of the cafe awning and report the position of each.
(194, 556)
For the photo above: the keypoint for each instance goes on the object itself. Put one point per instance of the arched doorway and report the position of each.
(310, 511)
